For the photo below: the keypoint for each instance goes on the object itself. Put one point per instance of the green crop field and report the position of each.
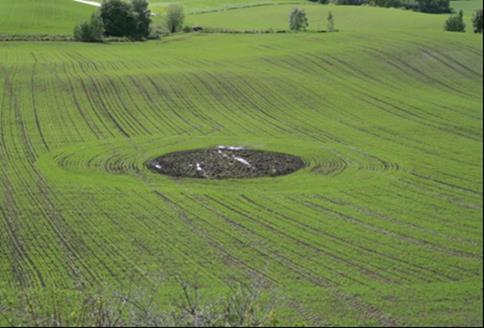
(40, 16)
(382, 227)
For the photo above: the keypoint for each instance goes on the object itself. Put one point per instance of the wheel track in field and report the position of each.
(217, 244)
(356, 247)
(369, 310)
(377, 102)
(418, 74)
(378, 230)
(87, 120)
(284, 261)
(324, 233)
(29, 156)
(402, 112)
(276, 232)
(52, 216)
(34, 107)
(71, 245)
(434, 246)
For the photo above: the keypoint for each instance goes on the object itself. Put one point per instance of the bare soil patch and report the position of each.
(225, 162)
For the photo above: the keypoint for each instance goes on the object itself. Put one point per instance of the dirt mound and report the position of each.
(224, 162)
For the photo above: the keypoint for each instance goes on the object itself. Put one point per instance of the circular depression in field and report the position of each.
(225, 162)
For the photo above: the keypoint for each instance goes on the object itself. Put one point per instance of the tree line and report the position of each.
(129, 19)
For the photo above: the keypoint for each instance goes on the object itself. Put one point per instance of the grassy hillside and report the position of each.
(41, 17)
(347, 18)
(382, 227)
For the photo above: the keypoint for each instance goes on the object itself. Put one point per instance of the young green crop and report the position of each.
(382, 227)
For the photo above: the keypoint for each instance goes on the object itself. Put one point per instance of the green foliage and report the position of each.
(123, 19)
(427, 6)
(142, 17)
(175, 17)
(330, 22)
(386, 3)
(298, 20)
(455, 23)
(350, 2)
(433, 6)
(91, 31)
(118, 18)
(477, 21)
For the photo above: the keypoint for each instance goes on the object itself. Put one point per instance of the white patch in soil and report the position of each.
(158, 166)
(242, 160)
(230, 147)
(201, 170)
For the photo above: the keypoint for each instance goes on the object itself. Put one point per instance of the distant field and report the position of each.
(347, 18)
(382, 227)
(41, 16)
(34, 17)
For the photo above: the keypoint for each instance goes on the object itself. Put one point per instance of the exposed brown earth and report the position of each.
(224, 162)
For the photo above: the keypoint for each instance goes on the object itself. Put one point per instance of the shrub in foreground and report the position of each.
(455, 23)
(241, 308)
(477, 21)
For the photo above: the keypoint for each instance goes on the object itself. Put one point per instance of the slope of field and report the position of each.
(198, 6)
(41, 16)
(383, 226)
(347, 18)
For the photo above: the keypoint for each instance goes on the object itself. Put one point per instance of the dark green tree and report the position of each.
(118, 18)
(477, 21)
(142, 16)
(433, 6)
(298, 21)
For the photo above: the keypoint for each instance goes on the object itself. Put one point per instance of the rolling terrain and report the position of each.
(382, 227)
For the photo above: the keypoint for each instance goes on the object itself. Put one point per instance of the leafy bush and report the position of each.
(142, 18)
(118, 17)
(298, 20)
(91, 31)
(477, 21)
(126, 19)
(174, 18)
(455, 23)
